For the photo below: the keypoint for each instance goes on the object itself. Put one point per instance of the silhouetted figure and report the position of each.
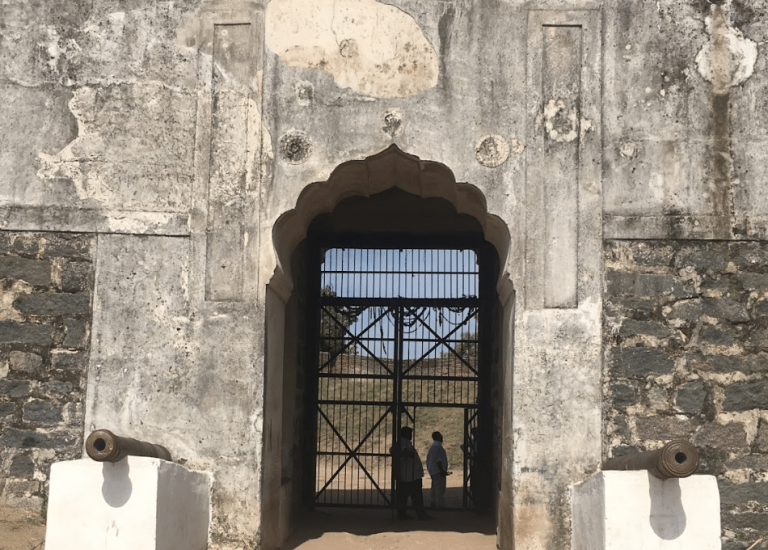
(478, 471)
(437, 466)
(408, 474)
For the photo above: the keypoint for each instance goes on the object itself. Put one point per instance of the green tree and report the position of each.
(466, 347)
(334, 320)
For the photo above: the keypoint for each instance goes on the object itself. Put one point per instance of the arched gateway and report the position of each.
(385, 310)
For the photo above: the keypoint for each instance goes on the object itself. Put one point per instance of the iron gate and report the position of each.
(397, 343)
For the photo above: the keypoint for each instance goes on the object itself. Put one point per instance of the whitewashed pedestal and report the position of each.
(136, 504)
(615, 510)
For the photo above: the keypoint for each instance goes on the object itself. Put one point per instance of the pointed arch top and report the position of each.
(388, 169)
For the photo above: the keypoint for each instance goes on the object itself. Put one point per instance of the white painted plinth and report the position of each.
(135, 504)
(636, 511)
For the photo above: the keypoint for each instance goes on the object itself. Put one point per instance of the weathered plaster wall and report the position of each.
(120, 71)
(684, 126)
(176, 133)
(685, 357)
(173, 369)
(46, 281)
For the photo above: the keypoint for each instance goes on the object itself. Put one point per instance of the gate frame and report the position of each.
(487, 260)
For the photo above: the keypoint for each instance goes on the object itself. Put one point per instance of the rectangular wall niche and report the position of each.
(231, 93)
(563, 88)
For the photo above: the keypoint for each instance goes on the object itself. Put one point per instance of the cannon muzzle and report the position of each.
(675, 459)
(104, 446)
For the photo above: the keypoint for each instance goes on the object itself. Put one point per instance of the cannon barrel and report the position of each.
(104, 446)
(675, 459)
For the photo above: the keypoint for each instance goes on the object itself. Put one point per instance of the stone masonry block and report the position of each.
(25, 245)
(758, 340)
(77, 277)
(57, 386)
(25, 362)
(34, 272)
(740, 494)
(754, 281)
(755, 462)
(76, 332)
(32, 439)
(712, 461)
(14, 388)
(643, 254)
(755, 521)
(21, 487)
(727, 309)
(623, 395)
(716, 336)
(7, 408)
(640, 361)
(691, 396)
(663, 428)
(638, 307)
(54, 304)
(745, 396)
(71, 247)
(645, 284)
(67, 360)
(731, 436)
(713, 256)
(749, 254)
(724, 309)
(12, 332)
(22, 466)
(761, 308)
(630, 327)
(762, 437)
(42, 412)
(687, 310)
(734, 363)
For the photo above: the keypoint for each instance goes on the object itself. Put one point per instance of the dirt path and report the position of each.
(20, 529)
(331, 529)
(328, 529)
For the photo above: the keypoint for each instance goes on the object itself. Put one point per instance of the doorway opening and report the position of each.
(391, 204)
(397, 339)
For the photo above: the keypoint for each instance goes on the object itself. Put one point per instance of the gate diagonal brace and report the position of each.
(444, 341)
(356, 339)
(353, 453)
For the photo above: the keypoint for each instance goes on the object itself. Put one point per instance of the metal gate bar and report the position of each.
(398, 333)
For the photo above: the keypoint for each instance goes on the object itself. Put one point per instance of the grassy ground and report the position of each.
(355, 421)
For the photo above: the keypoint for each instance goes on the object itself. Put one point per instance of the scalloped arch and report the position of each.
(390, 168)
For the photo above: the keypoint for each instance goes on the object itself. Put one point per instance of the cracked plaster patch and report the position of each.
(728, 58)
(393, 123)
(492, 151)
(375, 49)
(134, 149)
(561, 122)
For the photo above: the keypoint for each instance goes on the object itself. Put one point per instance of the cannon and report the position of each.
(104, 446)
(675, 459)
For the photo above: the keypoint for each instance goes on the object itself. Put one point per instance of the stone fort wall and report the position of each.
(45, 318)
(686, 356)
